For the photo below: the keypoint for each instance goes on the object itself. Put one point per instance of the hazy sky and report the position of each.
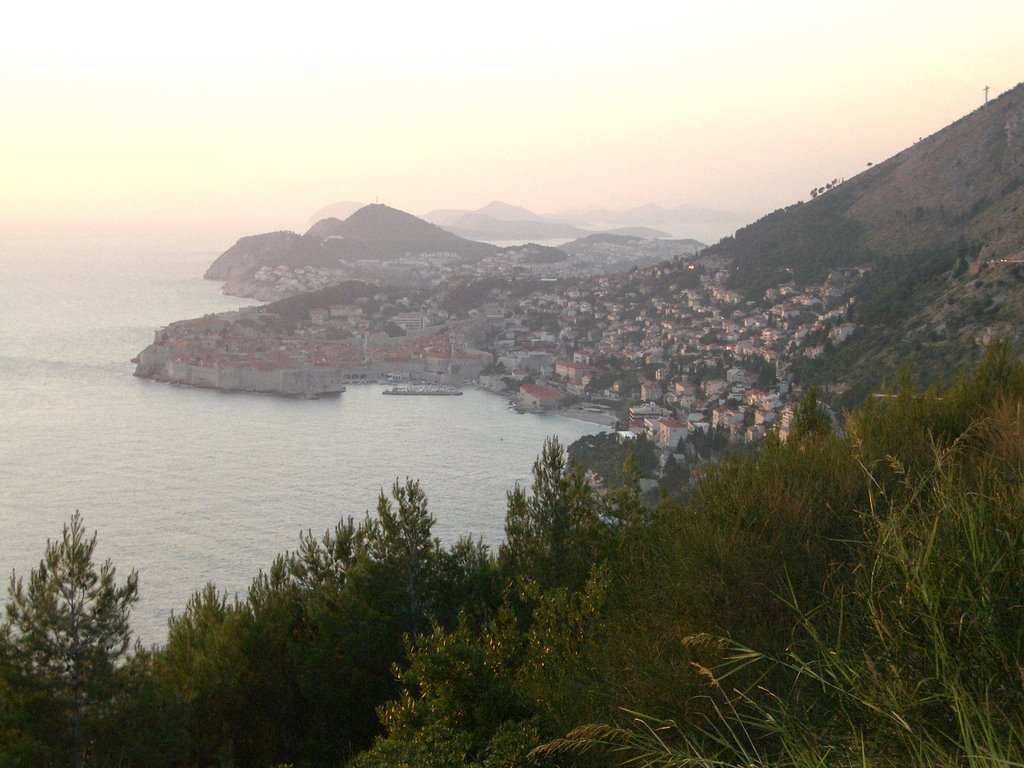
(246, 117)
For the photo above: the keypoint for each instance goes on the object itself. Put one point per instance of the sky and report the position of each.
(233, 118)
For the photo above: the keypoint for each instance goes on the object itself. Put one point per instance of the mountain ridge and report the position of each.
(963, 183)
(502, 221)
(937, 232)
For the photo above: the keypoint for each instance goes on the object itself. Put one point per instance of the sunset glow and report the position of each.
(116, 116)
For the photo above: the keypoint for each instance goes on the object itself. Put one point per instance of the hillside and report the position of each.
(254, 251)
(340, 210)
(939, 228)
(835, 599)
(373, 233)
(962, 184)
(386, 230)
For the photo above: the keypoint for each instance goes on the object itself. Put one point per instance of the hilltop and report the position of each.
(373, 233)
(339, 210)
(385, 227)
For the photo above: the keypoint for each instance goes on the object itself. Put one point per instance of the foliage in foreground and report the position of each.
(836, 599)
(61, 642)
(912, 653)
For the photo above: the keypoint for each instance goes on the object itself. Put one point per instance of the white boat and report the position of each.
(423, 389)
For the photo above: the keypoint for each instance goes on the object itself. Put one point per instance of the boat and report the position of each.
(423, 389)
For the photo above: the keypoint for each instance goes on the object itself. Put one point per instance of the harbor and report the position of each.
(424, 390)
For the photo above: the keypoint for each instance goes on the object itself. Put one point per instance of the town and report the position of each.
(669, 352)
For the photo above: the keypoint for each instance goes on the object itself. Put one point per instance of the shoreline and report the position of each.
(579, 413)
(582, 414)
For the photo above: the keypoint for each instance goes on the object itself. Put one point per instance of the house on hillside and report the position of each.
(670, 432)
(539, 397)
(650, 391)
(570, 370)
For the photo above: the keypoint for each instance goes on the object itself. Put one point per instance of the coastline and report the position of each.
(582, 414)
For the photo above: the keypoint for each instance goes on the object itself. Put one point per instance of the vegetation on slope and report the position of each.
(921, 223)
(836, 599)
(910, 654)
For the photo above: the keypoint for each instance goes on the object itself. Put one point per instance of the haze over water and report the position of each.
(189, 486)
(119, 115)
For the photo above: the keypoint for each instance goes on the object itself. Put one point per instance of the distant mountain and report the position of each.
(645, 232)
(382, 226)
(444, 217)
(505, 212)
(647, 215)
(601, 238)
(615, 252)
(501, 221)
(939, 229)
(482, 227)
(493, 210)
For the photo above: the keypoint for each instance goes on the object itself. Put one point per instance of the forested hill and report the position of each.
(937, 234)
(964, 184)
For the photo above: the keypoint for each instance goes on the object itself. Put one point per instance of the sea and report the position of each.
(190, 486)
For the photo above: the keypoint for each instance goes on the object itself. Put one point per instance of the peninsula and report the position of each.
(390, 247)
(919, 259)
(247, 351)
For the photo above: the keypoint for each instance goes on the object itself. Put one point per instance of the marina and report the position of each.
(423, 389)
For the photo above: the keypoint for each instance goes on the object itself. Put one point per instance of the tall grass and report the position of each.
(915, 655)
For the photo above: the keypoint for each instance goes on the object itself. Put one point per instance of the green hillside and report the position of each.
(938, 230)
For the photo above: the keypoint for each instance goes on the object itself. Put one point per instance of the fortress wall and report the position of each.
(256, 380)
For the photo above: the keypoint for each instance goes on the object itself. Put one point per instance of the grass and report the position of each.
(915, 654)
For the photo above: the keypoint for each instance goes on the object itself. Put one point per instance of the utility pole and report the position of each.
(986, 95)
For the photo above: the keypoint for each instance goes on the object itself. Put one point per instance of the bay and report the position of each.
(192, 486)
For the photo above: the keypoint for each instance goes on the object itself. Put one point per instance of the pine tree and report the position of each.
(810, 418)
(550, 534)
(401, 539)
(63, 638)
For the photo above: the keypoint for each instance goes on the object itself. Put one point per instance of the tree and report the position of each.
(401, 539)
(810, 418)
(550, 534)
(64, 637)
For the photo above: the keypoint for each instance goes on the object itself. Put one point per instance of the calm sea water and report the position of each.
(191, 486)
